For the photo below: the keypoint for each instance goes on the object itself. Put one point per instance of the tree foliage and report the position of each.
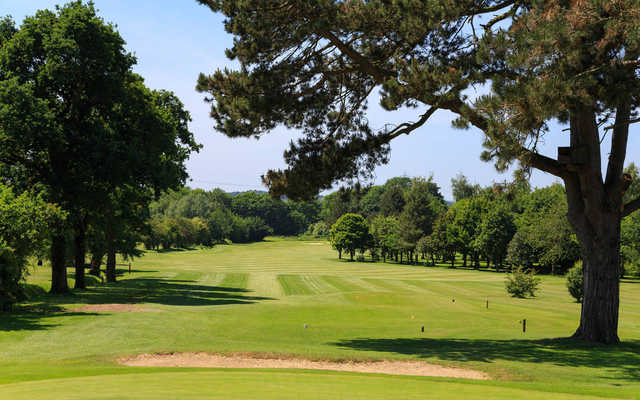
(25, 223)
(75, 119)
(350, 233)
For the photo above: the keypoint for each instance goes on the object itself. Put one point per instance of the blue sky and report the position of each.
(176, 40)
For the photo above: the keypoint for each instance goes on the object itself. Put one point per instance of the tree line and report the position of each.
(189, 217)
(569, 69)
(500, 226)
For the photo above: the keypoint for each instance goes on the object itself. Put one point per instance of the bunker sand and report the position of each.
(208, 360)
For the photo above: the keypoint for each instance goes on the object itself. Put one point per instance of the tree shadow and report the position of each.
(157, 291)
(621, 361)
(124, 271)
(33, 316)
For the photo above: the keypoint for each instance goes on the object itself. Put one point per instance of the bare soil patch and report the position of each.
(208, 360)
(113, 308)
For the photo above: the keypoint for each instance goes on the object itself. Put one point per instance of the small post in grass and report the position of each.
(422, 329)
(524, 326)
(129, 268)
(487, 303)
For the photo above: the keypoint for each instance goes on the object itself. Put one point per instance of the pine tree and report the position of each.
(312, 65)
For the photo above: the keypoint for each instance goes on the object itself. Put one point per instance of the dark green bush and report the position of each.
(521, 283)
(574, 282)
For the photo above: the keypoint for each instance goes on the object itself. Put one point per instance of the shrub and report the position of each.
(633, 270)
(520, 283)
(574, 282)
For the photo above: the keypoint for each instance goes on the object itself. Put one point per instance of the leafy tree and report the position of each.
(427, 247)
(444, 241)
(220, 223)
(465, 226)
(350, 233)
(314, 66)
(496, 231)
(520, 283)
(75, 119)
(392, 200)
(370, 203)
(462, 188)
(545, 236)
(385, 232)
(338, 203)
(630, 229)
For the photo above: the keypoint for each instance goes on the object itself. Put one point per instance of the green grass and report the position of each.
(257, 297)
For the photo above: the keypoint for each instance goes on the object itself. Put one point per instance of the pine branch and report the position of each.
(366, 65)
(408, 127)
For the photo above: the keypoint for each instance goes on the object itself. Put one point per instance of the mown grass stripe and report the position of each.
(341, 284)
(293, 285)
(235, 280)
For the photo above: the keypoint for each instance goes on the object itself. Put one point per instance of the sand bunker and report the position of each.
(113, 308)
(208, 360)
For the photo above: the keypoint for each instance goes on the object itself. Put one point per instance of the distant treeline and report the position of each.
(190, 217)
(502, 225)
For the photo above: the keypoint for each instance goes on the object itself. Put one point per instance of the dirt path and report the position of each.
(208, 360)
(113, 308)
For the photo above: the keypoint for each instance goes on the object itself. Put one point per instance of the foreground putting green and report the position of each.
(259, 297)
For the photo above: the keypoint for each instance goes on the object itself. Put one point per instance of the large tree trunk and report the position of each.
(58, 268)
(80, 255)
(595, 209)
(598, 233)
(601, 262)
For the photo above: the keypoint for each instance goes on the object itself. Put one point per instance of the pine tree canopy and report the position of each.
(312, 65)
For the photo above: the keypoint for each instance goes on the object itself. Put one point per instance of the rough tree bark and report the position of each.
(58, 268)
(595, 211)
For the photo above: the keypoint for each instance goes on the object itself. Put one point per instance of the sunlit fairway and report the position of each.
(257, 298)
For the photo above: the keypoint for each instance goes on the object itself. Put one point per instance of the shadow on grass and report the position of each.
(157, 291)
(622, 361)
(125, 271)
(33, 317)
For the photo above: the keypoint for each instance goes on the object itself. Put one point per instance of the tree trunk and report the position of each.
(340, 254)
(111, 257)
(96, 260)
(58, 267)
(351, 255)
(595, 209)
(111, 264)
(464, 259)
(601, 283)
(80, 254)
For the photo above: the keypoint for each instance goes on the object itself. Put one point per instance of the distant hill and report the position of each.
(233, 194)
